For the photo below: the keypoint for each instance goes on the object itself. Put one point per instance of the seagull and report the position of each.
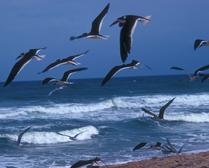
(199, 43)
(128, 24)
(72, 138)
(118, 68)
(139, 146)
(64, 80)
(68, 60)
(161, 112)
(21, 135)
(23, 60)
(96, 27)
(81, 163)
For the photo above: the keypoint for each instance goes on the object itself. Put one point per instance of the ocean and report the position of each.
(109, 119)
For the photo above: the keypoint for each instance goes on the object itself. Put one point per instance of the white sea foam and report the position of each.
(118, 108)
(52, 137)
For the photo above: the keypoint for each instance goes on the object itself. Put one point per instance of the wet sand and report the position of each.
(197, 160)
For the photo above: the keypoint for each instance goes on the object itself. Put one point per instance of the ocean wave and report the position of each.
(86, 133)
(117, 108)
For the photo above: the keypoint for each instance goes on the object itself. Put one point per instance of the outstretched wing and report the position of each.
(52, 65)
(47, 80)
(149, 112)
(177, 68)
(67, 74)
(112, 72)
(16, 69)
(21, 134)
(162, 109)
(198, 43)
(97, 23)
(125, 42)
(205, 77)
(73, 57)
(139, 146)
(203, 68)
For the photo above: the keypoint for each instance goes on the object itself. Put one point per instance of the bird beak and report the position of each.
(115, 22)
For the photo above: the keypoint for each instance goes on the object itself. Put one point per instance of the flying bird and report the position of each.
(139, 146)
(161, 112)
(199, 43)
(128, 24)
(21, 135)
(72, 138)
(23, 60)
(81, 163)
(68, 60)
(64, 80)
(117, 69)
(96, 27)
(177, 68)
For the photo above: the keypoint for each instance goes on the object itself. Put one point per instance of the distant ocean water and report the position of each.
(109, 117)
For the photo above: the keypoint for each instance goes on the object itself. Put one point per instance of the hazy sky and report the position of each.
(166, 41)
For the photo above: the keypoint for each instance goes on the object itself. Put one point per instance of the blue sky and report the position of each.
(166, 41)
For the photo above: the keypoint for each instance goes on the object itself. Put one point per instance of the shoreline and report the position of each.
(185, 160)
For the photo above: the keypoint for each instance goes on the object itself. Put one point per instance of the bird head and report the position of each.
(121, 21)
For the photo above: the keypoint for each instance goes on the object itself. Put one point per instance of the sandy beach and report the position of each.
(197, 160)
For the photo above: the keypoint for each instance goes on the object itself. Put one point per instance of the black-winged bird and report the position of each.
(96, 27)
(161, 112)
(117, 69)
(23, 60)
(128, 24)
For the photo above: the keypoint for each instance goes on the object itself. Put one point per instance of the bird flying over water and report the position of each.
(65, 77)
(128, 24)
(199, 43)
(72, 138)
(117, 69)
(96, 27)
(21, 135)
(161, 112)
(177, 68)
(68, 60)
(23, 60)
(81, 163)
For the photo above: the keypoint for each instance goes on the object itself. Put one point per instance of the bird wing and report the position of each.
(52, 65)
(198, 43)
(97, 23)
(204, 78)
(16, 69)
(47, 80)
(112, 72)
(203, 68)
(21, 134)
(81, 163)
(149, 112)
(177, 68)
(67, 74)
(139, 146)
(125, 42)
(73, 57)
(163, 108)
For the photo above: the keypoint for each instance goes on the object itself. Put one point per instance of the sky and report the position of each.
(166, 41)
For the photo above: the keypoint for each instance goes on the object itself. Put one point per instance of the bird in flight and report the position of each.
(128, 24)
(117, 69)
(160, 116)
(96, 27)
(23, 60)
(64, 61)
